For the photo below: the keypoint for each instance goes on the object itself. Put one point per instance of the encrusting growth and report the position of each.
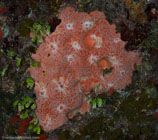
(72, 61)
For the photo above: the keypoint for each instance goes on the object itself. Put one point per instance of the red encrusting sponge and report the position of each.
(72, 61)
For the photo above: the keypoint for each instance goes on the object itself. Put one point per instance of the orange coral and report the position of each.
(72, 60)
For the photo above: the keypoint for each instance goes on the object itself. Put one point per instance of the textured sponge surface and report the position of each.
(72, 61)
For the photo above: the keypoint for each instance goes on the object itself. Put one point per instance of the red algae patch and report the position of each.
(72, 60)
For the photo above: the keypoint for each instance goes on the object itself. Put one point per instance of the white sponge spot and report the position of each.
(61, 108)
(116, 40)
(76, 45)
(70, 58)
(69, 26)
(99, 41)
(88, 25)
(93, 59)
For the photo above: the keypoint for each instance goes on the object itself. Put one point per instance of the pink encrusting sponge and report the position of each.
(72, 62)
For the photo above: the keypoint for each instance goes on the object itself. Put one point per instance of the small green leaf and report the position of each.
(24, 115)
(39, 30)
(42, 32)
(20, 107)
(11, 53)
(30, 83)
(15, 103)
(33, 39)
(38, 130)
(94, 103)
(99, 102)
(33, 106)
(35, 129)
(27, 105)
(30, 127)
(34, 121)
(90, 100)
(23, 102)
(35, 64)
(28, 80)
(4, 70)
(48, 29)
(39, 39)
(18, 62)
(38, 27)
(27, 99)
